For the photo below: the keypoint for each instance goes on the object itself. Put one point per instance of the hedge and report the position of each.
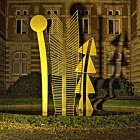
(73, 121)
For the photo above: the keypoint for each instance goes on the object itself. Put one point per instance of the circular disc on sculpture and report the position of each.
(38, 23)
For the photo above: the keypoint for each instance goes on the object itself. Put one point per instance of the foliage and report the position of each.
(115, 87)
(73, 121)
(28, 86)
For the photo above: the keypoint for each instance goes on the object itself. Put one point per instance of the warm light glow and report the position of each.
(38, 24)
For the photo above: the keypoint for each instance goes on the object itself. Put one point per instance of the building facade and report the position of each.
(135, 45)
(113, 24)
(2, 45)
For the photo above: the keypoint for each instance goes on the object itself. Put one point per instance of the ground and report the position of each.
(118, 124)
(14, 132)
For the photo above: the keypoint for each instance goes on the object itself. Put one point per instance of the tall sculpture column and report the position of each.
(38, 24)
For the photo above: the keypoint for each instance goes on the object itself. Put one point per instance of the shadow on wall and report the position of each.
(81, 9)
(115, 86)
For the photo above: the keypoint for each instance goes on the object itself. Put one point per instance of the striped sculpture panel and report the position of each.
(64, 44)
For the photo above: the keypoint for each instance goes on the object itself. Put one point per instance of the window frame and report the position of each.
(21, 33)
(18, 11)
(114, 28)
(26, 12)
(110, 11)
(84, 25)
(54, 11)
(85, 13)
(20, 60)
(50, 26)
(117, 11)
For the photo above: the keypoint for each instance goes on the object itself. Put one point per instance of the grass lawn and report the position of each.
(35, 101)
(25, 132)
(85, 128)
(131, 103)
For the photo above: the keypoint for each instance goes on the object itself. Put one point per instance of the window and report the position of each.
(110, 12)
(48, 25)
(18, 12)
(113, 63)
(117, 12)
(114, 26)
(48, 12)
(86, 12)
(56, 12)
(20, 63)
(85, 23)
(109, 63)
(21, 26)
(24, 12)
(118, 63)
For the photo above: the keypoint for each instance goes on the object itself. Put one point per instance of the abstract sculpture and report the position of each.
(38, 24)
(64, 48)
(86, 67)
(64, 44)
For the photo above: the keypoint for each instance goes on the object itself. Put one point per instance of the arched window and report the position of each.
(20, 63)
(56, 12)
(110, 12)
(18, 12)
(117, 12)
(24, 12)
(48, 12)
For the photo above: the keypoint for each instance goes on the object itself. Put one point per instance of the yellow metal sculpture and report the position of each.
(64, 44)
(86, 67)
(38, 24)
(64, 48)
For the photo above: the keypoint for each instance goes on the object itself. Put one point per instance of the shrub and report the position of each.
(27, 86)
(115, 87)
(73, 121)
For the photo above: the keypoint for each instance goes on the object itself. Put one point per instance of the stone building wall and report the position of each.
(135, 46)
(2, 46)
(98, 28)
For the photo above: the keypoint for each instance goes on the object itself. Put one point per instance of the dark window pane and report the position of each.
(18, 26)
(24, 26)
(24, 12)
(49, 25)
(48, 12)
(86, 12)
(110, 13)
(55, 12)
(110, 26)
(85, 25)
(18, 12)
(117, 13)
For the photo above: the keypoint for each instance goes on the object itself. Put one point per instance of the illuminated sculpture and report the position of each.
(64, 44)
(38, 24)
(64, 48)
(86, 67)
